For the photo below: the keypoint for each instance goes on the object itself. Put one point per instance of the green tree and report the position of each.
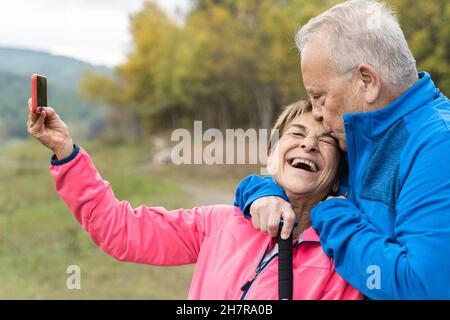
(427, 30)
(234, 62)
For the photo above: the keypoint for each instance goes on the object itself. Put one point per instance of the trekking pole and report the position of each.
(284, 266)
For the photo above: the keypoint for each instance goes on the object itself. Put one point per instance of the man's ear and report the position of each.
(370, 82)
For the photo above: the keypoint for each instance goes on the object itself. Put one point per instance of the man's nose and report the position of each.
(317, 112)
(309, 145)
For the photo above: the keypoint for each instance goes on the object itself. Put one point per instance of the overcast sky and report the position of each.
(92, 30)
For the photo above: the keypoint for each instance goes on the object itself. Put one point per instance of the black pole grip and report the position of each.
(285, 275)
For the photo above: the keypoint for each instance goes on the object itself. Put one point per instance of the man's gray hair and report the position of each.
(362, 31)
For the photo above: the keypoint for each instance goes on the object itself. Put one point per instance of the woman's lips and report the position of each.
(304, 164)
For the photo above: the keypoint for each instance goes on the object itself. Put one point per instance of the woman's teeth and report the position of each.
(304, 164)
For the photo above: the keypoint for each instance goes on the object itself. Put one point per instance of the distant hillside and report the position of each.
(64, 75)
(63, 71)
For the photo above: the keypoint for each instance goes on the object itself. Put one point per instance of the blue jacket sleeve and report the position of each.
(415, 263)
(254, 187)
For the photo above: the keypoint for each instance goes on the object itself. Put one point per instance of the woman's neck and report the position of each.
(302, 207)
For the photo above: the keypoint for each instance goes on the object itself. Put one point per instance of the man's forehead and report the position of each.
(314, 75)
(315, 65)
(314, 84)
(317, 79)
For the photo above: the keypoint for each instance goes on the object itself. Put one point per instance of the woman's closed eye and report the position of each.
(329, 141)
(298, 134)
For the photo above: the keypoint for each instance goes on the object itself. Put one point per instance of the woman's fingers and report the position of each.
(263, 222)
(274, 222)
(48, 128)
(38, 126)
(288, 221)
(260, 210)
(51, 113)
(267, 212)
(31, 115)
(255, 220)
(52, 116)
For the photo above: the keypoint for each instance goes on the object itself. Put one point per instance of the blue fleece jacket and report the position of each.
(390, 238)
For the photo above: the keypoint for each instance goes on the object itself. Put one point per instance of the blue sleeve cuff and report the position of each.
(255, 187)
(271, 191)
(55, 162)
(329, 207)
(331, 204)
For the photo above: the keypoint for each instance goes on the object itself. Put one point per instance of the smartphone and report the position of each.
(38, 92)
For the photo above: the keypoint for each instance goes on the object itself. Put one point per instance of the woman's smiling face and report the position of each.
(305, 160)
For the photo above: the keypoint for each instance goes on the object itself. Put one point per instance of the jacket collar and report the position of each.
(309, 235)
(376, 122)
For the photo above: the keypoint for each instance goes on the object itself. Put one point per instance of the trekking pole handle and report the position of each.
(285, 274)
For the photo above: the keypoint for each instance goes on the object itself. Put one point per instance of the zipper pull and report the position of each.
(249, 282)
(246, 286)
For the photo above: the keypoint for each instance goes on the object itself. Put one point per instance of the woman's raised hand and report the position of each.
(48, 128)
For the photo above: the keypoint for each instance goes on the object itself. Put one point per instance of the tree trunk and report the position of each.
(265, 107)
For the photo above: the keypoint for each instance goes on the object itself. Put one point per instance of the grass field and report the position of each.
(39, 238)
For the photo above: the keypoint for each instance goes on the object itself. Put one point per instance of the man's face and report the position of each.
(331, 96)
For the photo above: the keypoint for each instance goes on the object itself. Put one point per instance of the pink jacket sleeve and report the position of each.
(150, 235)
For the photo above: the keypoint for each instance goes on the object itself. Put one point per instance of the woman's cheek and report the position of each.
(277, 159)
(288, 143)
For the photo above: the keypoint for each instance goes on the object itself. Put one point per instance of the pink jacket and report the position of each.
(219, 239)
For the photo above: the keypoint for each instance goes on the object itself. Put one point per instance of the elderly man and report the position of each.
(390, 236)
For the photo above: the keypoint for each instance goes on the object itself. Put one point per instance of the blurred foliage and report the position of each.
(427, 29)
(234, 62)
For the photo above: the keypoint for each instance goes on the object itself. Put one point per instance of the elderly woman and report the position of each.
(233, 259)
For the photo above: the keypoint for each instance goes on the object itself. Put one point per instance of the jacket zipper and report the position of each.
(352, 157)
(260, 268)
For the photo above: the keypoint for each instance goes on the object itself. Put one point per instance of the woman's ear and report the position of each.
(273, 160)
(270, 165)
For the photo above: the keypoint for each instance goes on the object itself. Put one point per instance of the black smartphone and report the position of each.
(38, 91)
